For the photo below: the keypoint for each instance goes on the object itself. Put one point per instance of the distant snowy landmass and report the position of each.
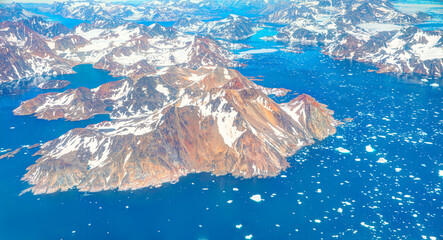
(366, 31)
(233, 27)
(34, 47)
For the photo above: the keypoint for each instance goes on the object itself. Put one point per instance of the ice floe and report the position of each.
(257, 198)
(369, 148)
(343, 150)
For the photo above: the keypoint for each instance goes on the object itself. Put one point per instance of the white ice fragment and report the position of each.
(317, 220)
(238, 226)
(229, 201)
(235, 189)
(369, 148)
(343, 150)
(257, 198)
(340, 210)
(435, 85)
(440, 173)
(248, 236)
(397, 169)
(382, 160)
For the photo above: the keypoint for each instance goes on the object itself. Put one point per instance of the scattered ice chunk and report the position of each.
(319, 190)
(342, 150)
(440, 173)
(257, 198)
(238, 226)
(229, 201)
(277, 225)
(397, 169)
(317, 220)
(248, 236)
(435, 85)
(283, 176)
(205, 189)
(340, 210)
(366, 225)
(382, 160)
(369, 148)
(235, 189)
(357, 159)
(126, 206)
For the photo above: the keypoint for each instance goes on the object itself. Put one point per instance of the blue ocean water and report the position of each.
(325, 194)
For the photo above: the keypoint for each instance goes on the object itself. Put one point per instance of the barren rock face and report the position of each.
(169, 124)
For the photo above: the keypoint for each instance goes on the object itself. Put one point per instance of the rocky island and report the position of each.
(168, 124)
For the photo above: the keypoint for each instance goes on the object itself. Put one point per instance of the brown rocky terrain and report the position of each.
(169, 124)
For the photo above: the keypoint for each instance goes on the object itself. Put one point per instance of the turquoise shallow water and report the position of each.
(325, 194)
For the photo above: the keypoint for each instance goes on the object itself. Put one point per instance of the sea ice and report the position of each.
(238, 226)
(229, 201)
(382, 160)
(434, 85)
(258, 51)
(342, 150)
(248, 236)
(369, 148)
(440, 173)
(235, 189)
(257, 198)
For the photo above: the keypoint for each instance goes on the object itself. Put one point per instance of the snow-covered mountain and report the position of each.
(124, 48)
(14, 12)
(233, 27)
(365, 31)
(45, 28)
(408, 50)
(130, 46)
(25, 53)
(161, 10)
(169, 124)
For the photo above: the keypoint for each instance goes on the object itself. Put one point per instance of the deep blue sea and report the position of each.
(325, 194)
